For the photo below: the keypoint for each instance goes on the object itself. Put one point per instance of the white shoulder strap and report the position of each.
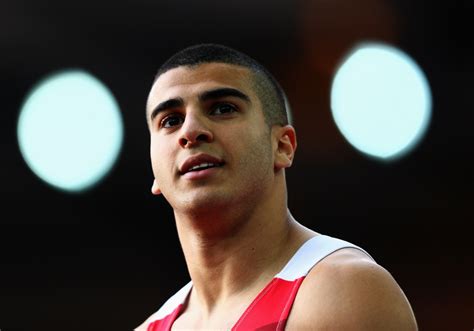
(168, 307)
(310, 253)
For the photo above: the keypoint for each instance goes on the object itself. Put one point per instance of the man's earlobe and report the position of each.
(286, 148)
(155, 189)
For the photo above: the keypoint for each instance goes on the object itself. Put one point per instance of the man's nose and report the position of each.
(194, 131)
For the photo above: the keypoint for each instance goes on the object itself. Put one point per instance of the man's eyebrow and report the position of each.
(165, 105)
(222, 93)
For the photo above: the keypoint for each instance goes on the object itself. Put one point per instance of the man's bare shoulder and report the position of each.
(349, 291)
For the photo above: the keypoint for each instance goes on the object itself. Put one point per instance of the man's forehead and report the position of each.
(210, 75)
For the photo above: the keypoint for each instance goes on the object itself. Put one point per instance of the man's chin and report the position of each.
(202, 203)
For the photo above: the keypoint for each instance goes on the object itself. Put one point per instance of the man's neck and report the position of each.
(240, 259)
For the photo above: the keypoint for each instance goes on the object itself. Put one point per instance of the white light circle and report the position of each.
(70, 130)
(381, 101)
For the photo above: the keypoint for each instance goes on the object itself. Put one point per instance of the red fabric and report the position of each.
(268, 311)
(166, 322)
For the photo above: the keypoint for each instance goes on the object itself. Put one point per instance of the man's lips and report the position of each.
(199, 162)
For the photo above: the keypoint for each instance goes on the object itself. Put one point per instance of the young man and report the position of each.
(220, 144)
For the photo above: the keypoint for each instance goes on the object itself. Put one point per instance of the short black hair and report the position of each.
(274, 102)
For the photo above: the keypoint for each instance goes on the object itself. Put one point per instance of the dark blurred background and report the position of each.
(108, 258)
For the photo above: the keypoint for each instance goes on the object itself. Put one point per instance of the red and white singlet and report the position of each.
(270, 309)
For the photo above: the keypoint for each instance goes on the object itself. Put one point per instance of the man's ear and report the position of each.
(285, 137)
(155, 189)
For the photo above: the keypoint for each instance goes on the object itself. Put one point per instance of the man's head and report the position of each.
(274, 102)
(211, 143)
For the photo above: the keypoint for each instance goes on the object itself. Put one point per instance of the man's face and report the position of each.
(210, 144)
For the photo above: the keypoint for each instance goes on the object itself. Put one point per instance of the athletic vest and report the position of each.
(270, 309)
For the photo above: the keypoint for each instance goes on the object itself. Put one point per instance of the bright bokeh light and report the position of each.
(70, 130)
(381, 101)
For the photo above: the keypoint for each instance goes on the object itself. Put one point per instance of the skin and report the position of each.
(237, 215)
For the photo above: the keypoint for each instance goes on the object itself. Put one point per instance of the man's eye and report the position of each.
(223, 108)
(171, 121)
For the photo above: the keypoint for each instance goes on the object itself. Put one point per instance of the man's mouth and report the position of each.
(200, 162)
(203, 166)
